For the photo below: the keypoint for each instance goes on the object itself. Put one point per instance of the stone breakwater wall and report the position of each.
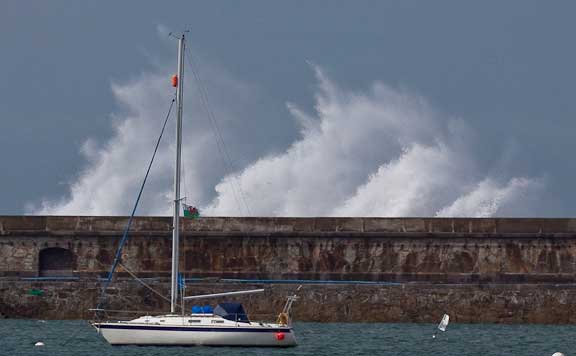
(505, 303)
(429, 250)
(477, 270)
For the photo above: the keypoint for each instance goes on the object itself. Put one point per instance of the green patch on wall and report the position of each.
(36, 292)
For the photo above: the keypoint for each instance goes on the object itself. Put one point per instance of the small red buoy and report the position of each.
(280, 336)
(174, 80)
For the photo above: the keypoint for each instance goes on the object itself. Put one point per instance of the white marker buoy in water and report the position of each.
(557, 354)
(39, 344)
(444, 323)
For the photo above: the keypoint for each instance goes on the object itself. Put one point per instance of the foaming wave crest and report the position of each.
(383, 152)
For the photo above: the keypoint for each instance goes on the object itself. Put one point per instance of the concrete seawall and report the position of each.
(496, 270)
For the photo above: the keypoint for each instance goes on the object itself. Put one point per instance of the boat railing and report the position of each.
(263, 319)
(111, 315)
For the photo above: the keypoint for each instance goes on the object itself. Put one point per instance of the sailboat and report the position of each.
(225, 325)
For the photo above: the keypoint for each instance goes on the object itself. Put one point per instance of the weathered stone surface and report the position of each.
(396, 249)
(536, 258)
(319, 302)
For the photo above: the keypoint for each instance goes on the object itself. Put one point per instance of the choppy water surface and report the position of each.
(66, 338)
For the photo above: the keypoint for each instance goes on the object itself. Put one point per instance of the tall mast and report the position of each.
(176, 219)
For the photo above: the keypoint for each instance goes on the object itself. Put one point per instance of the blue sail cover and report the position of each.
(231, 311)
(207, 309)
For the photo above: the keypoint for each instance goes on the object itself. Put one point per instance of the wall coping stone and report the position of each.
(284, 226)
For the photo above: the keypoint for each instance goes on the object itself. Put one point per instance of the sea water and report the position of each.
(67, 338)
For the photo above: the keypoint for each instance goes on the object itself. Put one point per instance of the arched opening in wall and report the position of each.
(56, 262)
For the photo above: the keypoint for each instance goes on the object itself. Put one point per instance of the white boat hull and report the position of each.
(142, 334)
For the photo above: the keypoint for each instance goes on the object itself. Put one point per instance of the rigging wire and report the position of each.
(215, 130)
(144, 283)
(139, 280)
(228, 163)
(185, 181)
(118, 256)
(127, 301)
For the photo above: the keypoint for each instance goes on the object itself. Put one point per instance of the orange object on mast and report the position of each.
(175, 81)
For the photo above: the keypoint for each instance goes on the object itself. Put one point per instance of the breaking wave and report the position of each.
(382, 152)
